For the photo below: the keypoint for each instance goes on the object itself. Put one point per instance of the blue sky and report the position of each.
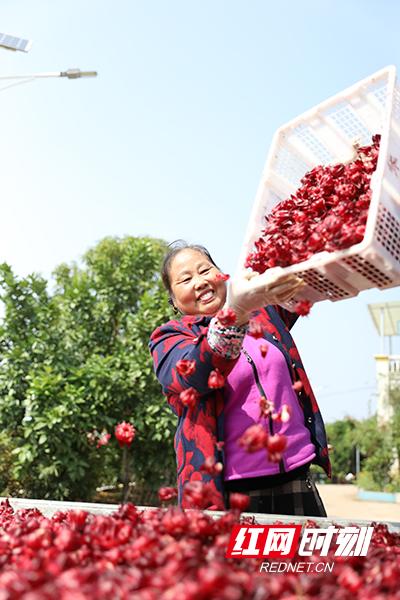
(171, 138)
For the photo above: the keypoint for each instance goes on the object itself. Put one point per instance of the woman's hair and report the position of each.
(173, 249)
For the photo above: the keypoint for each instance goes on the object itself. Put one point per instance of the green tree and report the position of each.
(74, 360)
(340, 436)
(376, 447)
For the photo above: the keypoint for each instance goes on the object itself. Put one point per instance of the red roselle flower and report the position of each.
(171, 553)
(211, 467)
(198, 494)
(254, 438)
(297, 386)
(189, 397)
(328, 212)
(226, 317)
(124, 432)
(255, 329)
(239, 501)
(302, 308)
(216, 380)
(186, 367)
(167, 493)
(283, 415)
(277, 443)
(103, 439)
(266, 406)
(222, 277)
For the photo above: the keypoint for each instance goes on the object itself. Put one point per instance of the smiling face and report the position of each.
(195, 289)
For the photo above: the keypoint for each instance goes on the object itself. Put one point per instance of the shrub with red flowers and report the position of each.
(74, 362)
(327, 213)
(166, 554)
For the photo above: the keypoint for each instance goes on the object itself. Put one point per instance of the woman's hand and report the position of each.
(250, 291)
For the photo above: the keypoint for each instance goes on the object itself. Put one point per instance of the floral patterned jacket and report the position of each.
(200, 428)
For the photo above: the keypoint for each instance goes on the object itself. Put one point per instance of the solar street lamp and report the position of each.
(20, 79)
(11, 42)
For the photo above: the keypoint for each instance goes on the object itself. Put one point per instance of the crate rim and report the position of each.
(389, 70)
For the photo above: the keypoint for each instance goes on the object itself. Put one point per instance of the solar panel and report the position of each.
(14, 43)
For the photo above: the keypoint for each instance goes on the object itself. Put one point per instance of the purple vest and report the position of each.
(241, 410)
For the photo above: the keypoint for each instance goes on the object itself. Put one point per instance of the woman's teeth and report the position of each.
(206, 296)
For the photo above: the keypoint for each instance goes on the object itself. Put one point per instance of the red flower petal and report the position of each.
(189, 397)
(186, 367)
(276, 443)
(125, 432)
(255, 329)
(222, 277)
(297, 386)
(216, 380)
(303, 307)
(226, 316)
(239, 501)
(254, 438)
(167, 493)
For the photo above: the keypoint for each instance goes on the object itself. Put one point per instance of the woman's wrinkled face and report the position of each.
(195, 289)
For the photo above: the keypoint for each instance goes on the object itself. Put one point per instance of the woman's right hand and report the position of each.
(250, 291)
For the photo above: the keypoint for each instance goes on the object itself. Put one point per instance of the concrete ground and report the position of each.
(342, 501)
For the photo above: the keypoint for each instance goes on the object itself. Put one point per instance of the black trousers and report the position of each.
(296, 496)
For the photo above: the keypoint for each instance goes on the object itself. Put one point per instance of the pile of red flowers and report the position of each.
(327, 213)
(167, 554)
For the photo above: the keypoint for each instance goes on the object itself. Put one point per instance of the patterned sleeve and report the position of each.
(176, 341)
(226, 340)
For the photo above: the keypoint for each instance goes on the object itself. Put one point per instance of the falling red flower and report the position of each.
(255, 329)
(266, 406)
(186, 367)
(297, 386)
(285, 413)
(222, 277)
(226, 316)
(276, 443)
(197, 494)
(216, 380)
(263, 350)
(283, 416)
(103, 439)
(220, 445)
(211, 467)
(167, 493)
(239, 501)
(254, 438)
(124, 432)
(189, 397)
(302, 308)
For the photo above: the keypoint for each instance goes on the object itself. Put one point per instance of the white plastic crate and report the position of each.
(326, 135)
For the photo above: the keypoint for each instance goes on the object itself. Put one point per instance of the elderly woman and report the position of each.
(222, 377)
